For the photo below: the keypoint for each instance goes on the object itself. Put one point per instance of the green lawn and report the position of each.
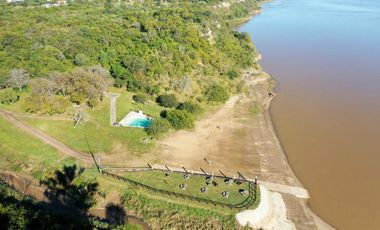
(158, 179)
(97, 130)
(20, 152)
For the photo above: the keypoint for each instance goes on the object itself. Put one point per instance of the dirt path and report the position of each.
(86, 159)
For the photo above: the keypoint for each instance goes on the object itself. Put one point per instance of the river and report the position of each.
(325, 55)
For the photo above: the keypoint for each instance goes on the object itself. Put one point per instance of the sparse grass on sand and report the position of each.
(20, 152)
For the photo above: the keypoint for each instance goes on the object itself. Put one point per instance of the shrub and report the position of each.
(18, 79)
(152, 90)
(158, 127)
(167, 100)
(217, 93)
(81, 59)
(189, 107)
(232, 74)
(180, 119)
(8, 96)
(134, 84)
(139, 98)
(45, 104)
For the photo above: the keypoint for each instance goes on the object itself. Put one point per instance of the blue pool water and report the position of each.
(140, 122)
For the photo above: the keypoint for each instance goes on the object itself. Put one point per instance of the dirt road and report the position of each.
(86, 159)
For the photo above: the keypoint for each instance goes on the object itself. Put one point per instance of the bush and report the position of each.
(180, 119)
(139, 98)
(232, 74)
(158, 127)
(46, 105)
(189, 107)
(134, 84)
(81, 60)
(217, 93)
(8, 96)
(167, 100)
(152, 90)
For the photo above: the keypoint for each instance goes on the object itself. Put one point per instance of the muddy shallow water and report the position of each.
(325, 55)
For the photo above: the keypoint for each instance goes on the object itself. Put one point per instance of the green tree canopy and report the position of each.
(180, 119)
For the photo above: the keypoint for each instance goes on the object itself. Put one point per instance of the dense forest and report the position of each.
(148, 46)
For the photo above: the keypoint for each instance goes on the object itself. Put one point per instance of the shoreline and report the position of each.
(320, 223)
(233, 139)
(257, 148)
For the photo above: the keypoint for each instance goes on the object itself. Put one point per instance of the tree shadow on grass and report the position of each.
(115, 214)
(69, 194)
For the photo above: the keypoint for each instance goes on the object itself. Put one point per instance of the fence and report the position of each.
(252, 189)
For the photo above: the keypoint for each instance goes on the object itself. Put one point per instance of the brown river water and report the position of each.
(325, 55)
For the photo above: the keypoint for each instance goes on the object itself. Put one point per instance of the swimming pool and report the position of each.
(137, 120)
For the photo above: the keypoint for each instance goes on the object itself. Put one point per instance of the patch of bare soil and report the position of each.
(238, 139)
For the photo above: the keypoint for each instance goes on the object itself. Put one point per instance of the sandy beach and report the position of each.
(239, 137)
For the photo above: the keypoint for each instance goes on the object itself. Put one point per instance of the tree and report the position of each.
(60, 82)
(81, 60)
(42, 87)
(63, 189)
(158, 127)
(18, 79)
(232, 74)
(180, 119)
(78, 117)
(139, 98)
(8, 96)
(87, 85)
(183, 84)
(189, 107)
(115, 214)
(217, 93)
(167, 100)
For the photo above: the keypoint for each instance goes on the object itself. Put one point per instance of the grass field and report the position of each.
(96, 128)
(194, 183)
(20, 152)
(101, 137)
(163, 213)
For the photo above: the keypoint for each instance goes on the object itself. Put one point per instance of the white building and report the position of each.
(13, 1)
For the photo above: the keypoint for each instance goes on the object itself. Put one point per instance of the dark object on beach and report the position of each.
(204, 189)
(214, 183)
(270, 94)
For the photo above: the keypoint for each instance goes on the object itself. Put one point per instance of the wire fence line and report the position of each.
(250, 200)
